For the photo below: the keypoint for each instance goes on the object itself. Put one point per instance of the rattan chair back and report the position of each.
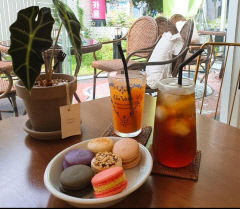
(6, 81)
(142, 34)
(177, 17)
(186, 34)
(165, 25)
(213, 50)
(7, 89)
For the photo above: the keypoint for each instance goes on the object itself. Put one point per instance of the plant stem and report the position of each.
(49, 70)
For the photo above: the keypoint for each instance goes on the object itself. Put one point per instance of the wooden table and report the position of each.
(212, 33)
(23, 161)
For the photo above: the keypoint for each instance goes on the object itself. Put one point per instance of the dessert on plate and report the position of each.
(109, 182)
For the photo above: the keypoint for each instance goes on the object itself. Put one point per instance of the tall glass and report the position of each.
(126, 114)
(174, 139)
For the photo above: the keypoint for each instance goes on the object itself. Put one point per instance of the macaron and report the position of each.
(105, 160)
(100, 144)
(128, 150)
(76, 157)
(109, 182)
(76, 177)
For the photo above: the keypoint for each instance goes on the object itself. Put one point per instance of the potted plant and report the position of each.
(30, 36)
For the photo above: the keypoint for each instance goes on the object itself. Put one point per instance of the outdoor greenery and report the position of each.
(153, 6)
(168, 7)
(120, 19)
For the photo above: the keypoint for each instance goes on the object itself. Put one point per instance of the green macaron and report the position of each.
(76, 177)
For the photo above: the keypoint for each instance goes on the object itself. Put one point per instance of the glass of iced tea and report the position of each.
(174, 138)
(126, 113)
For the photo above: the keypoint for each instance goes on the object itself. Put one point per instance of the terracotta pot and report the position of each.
(42, 104)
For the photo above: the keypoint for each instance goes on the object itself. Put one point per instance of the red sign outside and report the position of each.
(98, 9)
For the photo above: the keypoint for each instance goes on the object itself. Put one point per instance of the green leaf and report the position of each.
(73, 27)
(30, 36)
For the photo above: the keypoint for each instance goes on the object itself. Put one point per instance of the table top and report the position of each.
(23, 161)
(209, 32)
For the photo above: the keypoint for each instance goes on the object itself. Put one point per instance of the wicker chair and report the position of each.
(143, 34)
(177, 17)
(165, 25)
(193, 47)
(7, 89)
(186, 34)
(226, 66)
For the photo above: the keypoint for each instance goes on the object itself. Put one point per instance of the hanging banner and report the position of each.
(98, 9)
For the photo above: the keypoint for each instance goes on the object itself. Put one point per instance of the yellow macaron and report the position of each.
(100, 144)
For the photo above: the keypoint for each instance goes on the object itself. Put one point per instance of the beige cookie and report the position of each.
(128, 150)
(105, 160)
(101, 144)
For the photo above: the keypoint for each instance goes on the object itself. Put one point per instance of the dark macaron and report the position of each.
(76, 177)
(76, 157)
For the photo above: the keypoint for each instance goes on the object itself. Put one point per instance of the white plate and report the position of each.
(136, 177)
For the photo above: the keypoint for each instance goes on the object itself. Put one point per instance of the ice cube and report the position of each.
(161, 113)
(179, 127)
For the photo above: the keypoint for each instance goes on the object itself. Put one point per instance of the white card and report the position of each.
(70, 120)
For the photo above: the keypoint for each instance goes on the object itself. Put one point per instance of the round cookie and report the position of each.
(128, 150)
(76, 157)
(101, 144)
(105, 160)
(132, 163)
(109, 182)
(76, 177)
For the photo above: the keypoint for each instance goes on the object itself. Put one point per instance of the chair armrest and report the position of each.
(194, 46)
(144, 64)
(114, 41)
(10, 83)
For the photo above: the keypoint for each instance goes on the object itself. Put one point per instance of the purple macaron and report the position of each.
(76, 157)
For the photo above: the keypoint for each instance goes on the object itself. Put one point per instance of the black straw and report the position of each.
(187, 61)
(125, 70)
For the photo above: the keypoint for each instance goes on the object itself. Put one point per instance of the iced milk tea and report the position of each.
(174, 141)
(127, 116)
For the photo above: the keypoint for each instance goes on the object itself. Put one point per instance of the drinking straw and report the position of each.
(187, 61)
(127, 80)
(125, 71)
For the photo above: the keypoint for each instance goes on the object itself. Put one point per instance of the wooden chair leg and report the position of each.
(189, 71)
(0, 116)
(24, 112)
(14, 103)
(94, 82)
(76, 97)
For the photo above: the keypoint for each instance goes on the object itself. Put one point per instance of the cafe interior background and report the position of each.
(102, 19)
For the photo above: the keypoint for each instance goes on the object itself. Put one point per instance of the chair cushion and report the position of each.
(167, 46)
(110, 65)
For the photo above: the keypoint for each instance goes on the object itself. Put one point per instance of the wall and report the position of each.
(8, 14)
